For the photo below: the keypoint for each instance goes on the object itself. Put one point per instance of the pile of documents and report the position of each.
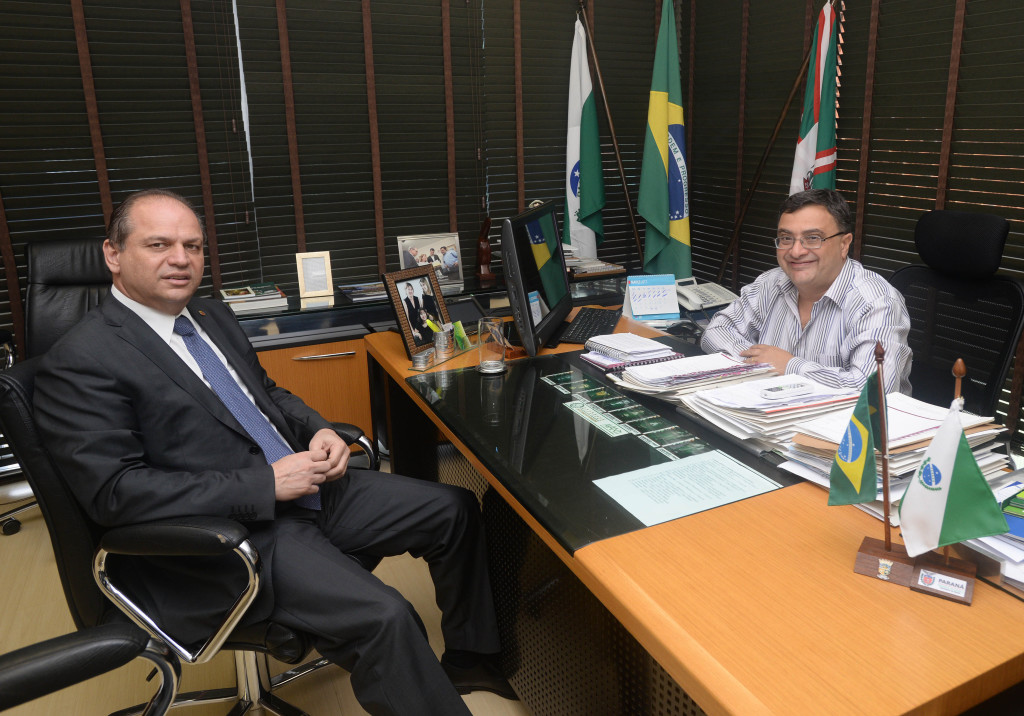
(672, 379)
(769, 409)
(910, 425)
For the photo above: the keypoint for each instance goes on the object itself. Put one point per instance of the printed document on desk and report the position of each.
(670, 490)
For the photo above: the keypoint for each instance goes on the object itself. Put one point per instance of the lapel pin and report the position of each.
(202, 313)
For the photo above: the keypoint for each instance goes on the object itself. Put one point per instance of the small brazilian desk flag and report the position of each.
(663, 200)
(948, 499)
(814, 165)
(853, 476)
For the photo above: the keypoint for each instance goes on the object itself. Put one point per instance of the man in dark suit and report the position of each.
(412, 310)
(137, 418)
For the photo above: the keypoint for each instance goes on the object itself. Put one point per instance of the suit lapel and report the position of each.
(133, 330)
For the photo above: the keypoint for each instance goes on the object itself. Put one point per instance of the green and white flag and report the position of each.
(664, 199)
(583, 227)
(948, 499)
(814, 166)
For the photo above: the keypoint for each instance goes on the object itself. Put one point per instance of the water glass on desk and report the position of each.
(490, 345)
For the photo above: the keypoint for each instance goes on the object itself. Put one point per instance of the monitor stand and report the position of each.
(556, 338)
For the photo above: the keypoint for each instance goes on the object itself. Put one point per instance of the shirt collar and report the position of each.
(162, 323)
(842, 283)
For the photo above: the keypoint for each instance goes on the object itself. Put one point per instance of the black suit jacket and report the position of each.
(140, 437)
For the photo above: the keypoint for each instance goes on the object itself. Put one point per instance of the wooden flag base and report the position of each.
(951, 579)
(893, 566)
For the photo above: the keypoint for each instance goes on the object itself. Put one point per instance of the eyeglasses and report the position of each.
(808, 241)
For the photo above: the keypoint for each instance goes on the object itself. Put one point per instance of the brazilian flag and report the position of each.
(853, 476)
(664, 201)
(545, 245)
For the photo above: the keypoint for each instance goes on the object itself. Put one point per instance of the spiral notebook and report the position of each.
(611, 365)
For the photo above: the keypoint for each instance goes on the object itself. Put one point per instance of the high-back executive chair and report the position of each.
(960, 308)
(66, 278)
(90, 558)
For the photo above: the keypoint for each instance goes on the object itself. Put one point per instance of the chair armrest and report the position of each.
(354, 434)
(189, 536)
(54, 664)
(196, 536)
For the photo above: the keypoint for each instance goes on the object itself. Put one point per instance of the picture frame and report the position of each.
(314, 269)
(413, 292)
(442, 252)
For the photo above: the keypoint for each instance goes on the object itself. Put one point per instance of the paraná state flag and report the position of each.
(814, 165)
(544, 243)
(948, 499)
(583, 227)
(853, 477)
(664, 198)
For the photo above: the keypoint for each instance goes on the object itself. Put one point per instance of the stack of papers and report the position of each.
(743, 411)
(910, 425)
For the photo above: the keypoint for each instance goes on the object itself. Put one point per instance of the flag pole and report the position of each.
(959, 372)
(884, 439)
(611, 131)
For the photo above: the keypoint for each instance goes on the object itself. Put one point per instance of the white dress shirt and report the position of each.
(837, 346)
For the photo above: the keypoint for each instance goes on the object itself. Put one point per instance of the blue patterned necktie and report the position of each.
(236, 401)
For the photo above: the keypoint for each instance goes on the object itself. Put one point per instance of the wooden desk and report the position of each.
(754, 607)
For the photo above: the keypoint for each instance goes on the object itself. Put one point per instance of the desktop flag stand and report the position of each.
(948, 500)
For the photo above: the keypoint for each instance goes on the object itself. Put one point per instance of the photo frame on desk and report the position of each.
(314, 269)
(415, 296)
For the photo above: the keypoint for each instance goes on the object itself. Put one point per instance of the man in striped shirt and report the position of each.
(820, 313)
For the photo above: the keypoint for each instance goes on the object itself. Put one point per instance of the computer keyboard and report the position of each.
(590, 322)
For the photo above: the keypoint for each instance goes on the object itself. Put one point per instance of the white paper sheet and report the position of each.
(664, 492)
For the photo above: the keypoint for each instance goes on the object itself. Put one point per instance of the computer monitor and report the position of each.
(538, 288)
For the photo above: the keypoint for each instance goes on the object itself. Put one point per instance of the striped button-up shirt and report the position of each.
(837, 346)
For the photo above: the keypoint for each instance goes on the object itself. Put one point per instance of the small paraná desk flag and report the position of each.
(853, 477)
(948, 499)
(583, 226)
(814, 165)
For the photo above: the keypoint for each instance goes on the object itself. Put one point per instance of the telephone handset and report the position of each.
(694, 296)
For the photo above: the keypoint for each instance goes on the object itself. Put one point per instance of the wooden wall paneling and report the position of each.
(951, 87)
(449, 113)
(91, 108)
(865, 131)
(289, 113)
(201, 148)
(371, 103)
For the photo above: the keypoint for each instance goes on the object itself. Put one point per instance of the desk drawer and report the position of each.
(330, 377)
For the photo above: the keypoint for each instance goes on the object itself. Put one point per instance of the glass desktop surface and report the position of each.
(547, 456)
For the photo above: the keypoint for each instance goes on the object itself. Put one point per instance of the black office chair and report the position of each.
(960, 308)
(66, 278)
(84, 551)
(40, 669)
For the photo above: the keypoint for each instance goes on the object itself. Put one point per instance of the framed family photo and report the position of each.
(416, 299)
(440, 252)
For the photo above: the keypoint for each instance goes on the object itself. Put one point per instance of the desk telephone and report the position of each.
(694, 297)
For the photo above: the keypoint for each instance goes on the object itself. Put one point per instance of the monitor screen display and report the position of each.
(538, 288)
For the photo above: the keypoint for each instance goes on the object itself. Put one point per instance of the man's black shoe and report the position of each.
(483, 676)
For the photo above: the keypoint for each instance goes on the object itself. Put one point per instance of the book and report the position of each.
(254, 297)
(252, 292)
(359, 292)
